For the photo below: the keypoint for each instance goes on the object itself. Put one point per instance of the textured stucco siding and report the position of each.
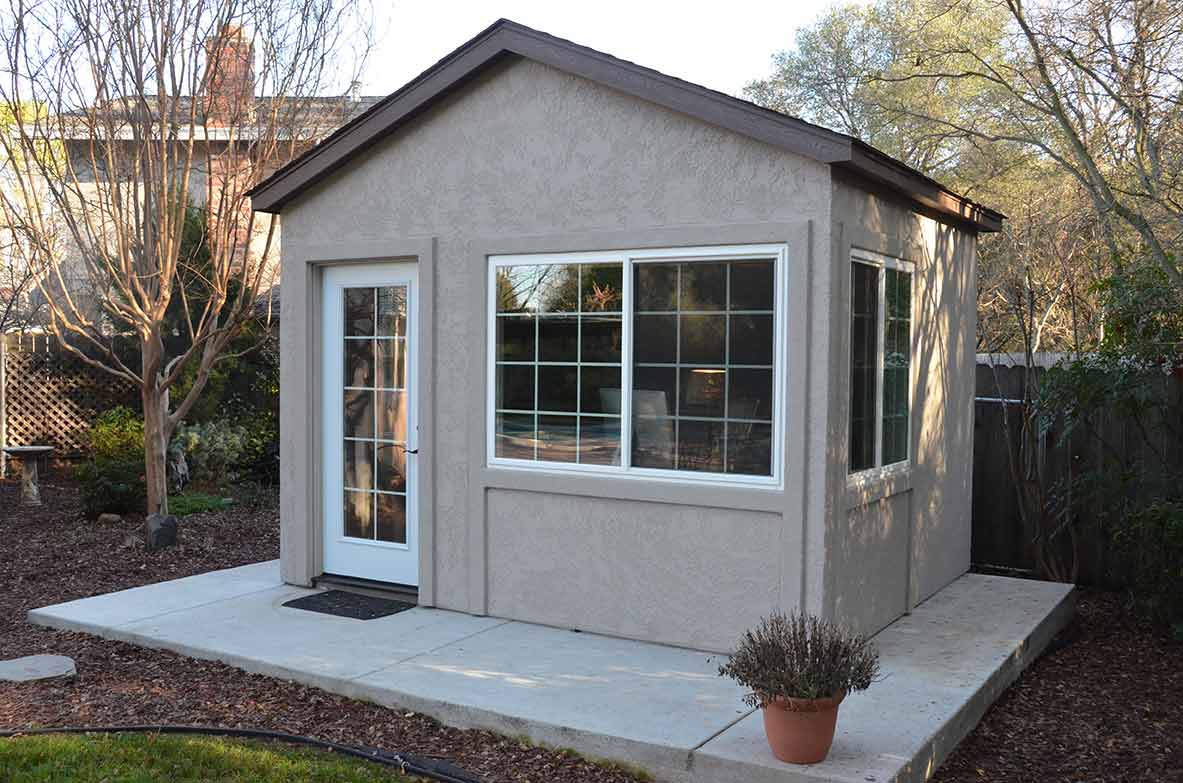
(526, 151)
(918, 523)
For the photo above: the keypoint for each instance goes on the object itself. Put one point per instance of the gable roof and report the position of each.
(506, 38)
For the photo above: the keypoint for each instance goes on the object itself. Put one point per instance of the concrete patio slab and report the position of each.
(661, 708)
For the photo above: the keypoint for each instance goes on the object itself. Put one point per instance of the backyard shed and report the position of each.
(569, 341)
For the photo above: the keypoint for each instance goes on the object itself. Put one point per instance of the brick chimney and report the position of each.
(230, 83)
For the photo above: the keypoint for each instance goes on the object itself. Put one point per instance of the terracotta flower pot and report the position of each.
(800, 731)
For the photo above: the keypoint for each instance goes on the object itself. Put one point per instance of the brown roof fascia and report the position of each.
(506, 37)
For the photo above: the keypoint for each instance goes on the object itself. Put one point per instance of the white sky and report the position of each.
(719, 45)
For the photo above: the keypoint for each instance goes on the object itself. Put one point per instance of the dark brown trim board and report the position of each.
(505, 38)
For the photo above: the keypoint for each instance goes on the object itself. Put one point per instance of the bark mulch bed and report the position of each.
(52, 554)
(1104, 704)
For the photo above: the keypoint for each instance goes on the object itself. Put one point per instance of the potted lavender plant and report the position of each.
(798, 668)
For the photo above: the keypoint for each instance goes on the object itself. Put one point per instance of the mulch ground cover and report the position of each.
(1104, 704)
(52, 554)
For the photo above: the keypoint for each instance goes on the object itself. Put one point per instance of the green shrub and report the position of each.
(117, 434)
(112, 486)
(211, 450)
(1152, 538)
(800, 656)
(196, 503)
(112, 480)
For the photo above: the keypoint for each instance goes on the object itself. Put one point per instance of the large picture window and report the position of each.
(645, 362)
(880, 361)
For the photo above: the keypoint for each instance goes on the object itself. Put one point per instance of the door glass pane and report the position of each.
(392, 467)
(359, 414)
(392, 363)
(392, 518)
(392, 416)
(359, 363)
(392, 311)
(359, 312)
(359, 464)
(359, 514)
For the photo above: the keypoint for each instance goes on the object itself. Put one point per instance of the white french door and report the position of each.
(370, 516)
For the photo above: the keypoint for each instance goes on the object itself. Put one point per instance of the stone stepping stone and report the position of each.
(36, 667)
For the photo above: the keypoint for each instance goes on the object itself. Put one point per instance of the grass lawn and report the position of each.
(147, 758)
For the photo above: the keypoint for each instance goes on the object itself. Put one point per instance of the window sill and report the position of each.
(686, 492)
(871, 486)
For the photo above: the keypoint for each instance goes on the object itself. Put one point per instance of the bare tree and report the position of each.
(1095, 86)
(144, 107)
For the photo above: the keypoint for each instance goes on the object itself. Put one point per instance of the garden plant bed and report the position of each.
(1104, 704)
(52, 554)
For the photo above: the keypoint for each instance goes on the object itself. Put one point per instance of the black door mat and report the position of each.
(343, 603)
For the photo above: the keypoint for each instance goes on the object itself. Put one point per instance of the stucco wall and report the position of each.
(918, 523)
(529, 158)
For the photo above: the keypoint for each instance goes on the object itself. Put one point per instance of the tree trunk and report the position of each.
(155, 402)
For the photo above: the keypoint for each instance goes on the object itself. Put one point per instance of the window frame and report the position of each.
(777, 253)
(882, 263)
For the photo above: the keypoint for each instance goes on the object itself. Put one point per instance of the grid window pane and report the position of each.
(703, 286)
(752, 285)
(514, 436)
(558, 339)
(703, 392)
(599, 390)
(515, 387)
(751, 339)
(702, 339)
(749, 394)
(599, 440)
(653, 440)
(601, 288)
(655, 339)
(515, 338)
(558, 438)
(700, 445)
(601, 339)
(558, 387)
(655, 287)
(749, 448)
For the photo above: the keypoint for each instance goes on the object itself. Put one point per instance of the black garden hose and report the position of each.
(408, 763)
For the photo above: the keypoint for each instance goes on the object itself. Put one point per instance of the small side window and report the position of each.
(880, 363)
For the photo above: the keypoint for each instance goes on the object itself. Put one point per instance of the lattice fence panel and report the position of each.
(52, 396)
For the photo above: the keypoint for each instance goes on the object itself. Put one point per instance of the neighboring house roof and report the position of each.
(319, 114)
(505, 37)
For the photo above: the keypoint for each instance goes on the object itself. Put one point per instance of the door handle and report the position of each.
(406, 450)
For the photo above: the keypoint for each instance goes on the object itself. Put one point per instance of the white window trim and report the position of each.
(777, 252)
(882, 262)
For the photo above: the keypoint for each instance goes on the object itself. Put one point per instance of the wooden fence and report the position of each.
(999, 537)
(50, 397)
